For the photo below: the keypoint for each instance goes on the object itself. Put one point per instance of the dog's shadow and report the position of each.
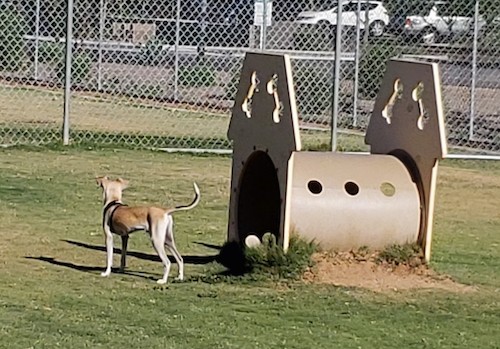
(92, 269)
(196, 260)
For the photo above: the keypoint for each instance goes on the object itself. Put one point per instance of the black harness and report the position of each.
(108, 212)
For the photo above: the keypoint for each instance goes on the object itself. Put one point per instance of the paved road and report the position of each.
(461, 75)
(454, 74)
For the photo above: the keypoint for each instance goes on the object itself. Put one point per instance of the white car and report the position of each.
(377, 16)
(435, 24)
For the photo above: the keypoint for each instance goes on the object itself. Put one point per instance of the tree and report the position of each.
(490, 10)
(12, 29)
(405, 7)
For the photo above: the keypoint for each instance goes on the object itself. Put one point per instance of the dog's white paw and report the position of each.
(105, 274)
(161, 282)
(180, 278)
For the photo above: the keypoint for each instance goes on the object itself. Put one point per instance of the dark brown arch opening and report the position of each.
(259, 201)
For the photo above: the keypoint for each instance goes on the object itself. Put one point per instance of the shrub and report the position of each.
(151, 53)
(373, 64)
(80, 67)
(314, 37)
(313, 89)
(231, 87)
(373, 61)
(489, 40)
(12, 29)
(197, 76)
(50, 52)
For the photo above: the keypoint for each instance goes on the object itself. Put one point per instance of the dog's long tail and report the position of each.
(193, 204)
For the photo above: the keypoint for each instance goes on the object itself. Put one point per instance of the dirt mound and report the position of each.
(368, 271)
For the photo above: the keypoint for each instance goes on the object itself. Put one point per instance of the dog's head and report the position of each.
(111, 188)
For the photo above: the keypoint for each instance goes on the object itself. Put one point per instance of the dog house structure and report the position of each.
(342, 201)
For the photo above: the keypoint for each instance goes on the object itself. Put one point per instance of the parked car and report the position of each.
(398, 17)
(438, 23)
(377, 16)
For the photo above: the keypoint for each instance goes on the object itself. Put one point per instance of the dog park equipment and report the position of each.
(342, 201)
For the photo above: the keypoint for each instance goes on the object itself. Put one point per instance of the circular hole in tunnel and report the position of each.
(315, 187)
(351, 188)
(388, 189)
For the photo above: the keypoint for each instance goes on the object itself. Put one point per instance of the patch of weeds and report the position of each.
(266, 261)
(363, 253)
(151, 91)
(198, 76)
(408, 254)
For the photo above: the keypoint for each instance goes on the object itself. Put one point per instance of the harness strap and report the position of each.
(109, 211)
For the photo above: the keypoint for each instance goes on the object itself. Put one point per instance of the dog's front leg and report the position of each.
(123, 261)
(109, 251)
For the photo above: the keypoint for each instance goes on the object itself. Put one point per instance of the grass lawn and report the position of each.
(52, 252)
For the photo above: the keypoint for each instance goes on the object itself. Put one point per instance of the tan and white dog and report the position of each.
(123, 220)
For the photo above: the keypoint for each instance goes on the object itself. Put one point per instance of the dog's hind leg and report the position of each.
(123, 261)
(158, 239)
(169, 242)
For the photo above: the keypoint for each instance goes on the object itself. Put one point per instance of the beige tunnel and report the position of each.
(345, 201)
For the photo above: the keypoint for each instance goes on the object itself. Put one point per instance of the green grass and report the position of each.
(51, 255)
(266, 261)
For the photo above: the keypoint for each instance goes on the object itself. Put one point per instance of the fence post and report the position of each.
(37, 40)
(356, 66)
(176, 50)
(102, 16)
(474, 71)
(263, 30)
(336, 77)
(67, 75)
(203, 20)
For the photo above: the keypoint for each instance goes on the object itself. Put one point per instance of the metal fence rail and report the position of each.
(164, 73)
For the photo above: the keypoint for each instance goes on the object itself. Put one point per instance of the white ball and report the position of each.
(252, 241)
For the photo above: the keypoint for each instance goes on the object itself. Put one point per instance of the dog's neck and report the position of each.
(108, 198)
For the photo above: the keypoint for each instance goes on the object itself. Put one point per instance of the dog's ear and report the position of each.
(123, 182)
(101, 180)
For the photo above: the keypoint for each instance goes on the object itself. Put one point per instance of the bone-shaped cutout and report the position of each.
(272, 89)
(416, 95)
(246, 106)
(396, 94)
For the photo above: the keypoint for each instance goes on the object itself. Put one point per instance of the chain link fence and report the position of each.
(163, 74)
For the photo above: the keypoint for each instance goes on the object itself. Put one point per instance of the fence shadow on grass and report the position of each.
(211, 246)
(198, 260)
